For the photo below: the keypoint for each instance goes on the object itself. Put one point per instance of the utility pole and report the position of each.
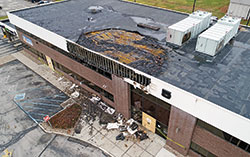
(194, 5)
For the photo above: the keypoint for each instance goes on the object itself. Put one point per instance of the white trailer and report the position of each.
(188, 28)
(216, 37)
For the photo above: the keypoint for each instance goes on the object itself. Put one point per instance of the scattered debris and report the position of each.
(75, 94)
(120, 137)
(141, 135)
(110, 110)
(143, 25)
(73, 86)
(112, 126)
(60, 79)
(95, 99)
(130, 121)
(92, 108)
(106, 108)
(131, 132)
(134, 126)
(123, 128)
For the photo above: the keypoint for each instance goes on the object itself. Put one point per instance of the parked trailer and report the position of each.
(216, 37)
(188, 28)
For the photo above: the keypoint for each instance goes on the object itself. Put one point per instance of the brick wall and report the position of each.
(216, 145)
(180, 130)
(117, 87)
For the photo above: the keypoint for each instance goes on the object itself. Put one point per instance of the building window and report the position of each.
(201, 151)
(40, 55)
(225, 136)
(83, 80)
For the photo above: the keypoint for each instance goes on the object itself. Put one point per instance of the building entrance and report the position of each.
(145, 104)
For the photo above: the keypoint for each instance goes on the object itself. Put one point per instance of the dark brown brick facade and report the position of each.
(117, 87)
(181, 126)
(216, 145)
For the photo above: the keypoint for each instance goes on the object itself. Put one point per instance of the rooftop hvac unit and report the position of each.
(216, 37)
(188, 28)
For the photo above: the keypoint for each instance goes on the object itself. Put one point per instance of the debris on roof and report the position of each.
(128, 47)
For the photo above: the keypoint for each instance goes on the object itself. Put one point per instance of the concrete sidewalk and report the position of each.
(100, 137)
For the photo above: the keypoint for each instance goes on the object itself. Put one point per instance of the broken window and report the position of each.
(224, 135)
(108, 66)
(152, 106)
(83, 80)
(40, 55)
(72, 56)
(201, 151)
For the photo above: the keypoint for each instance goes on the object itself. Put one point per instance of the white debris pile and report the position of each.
(60, 79)
(106, 108)
(73, 86)
(112, 126)
(127, 128)
(95, 99)
(75, 94)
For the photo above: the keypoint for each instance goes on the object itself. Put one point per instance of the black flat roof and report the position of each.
(223, 79)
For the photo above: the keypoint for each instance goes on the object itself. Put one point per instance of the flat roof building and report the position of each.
(201, 103)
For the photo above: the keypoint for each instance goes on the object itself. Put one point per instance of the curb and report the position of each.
(66, 135)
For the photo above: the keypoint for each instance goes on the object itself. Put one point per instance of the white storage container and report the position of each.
(216, 37)
(188, 28)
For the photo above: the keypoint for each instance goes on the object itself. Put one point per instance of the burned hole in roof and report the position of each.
(141, 52)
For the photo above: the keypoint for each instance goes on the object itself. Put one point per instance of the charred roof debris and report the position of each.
(131, 48)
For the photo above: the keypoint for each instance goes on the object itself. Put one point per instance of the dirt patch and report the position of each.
(67, 118)
(224, 9)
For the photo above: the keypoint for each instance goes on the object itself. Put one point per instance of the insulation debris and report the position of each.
(131, 132)
(75, 94)
(72, 87)
(110, 110)
(106, 108)
(60, 79)
(112, 126)
(95, 99)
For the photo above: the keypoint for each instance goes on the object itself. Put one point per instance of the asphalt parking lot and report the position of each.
(19, 134)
